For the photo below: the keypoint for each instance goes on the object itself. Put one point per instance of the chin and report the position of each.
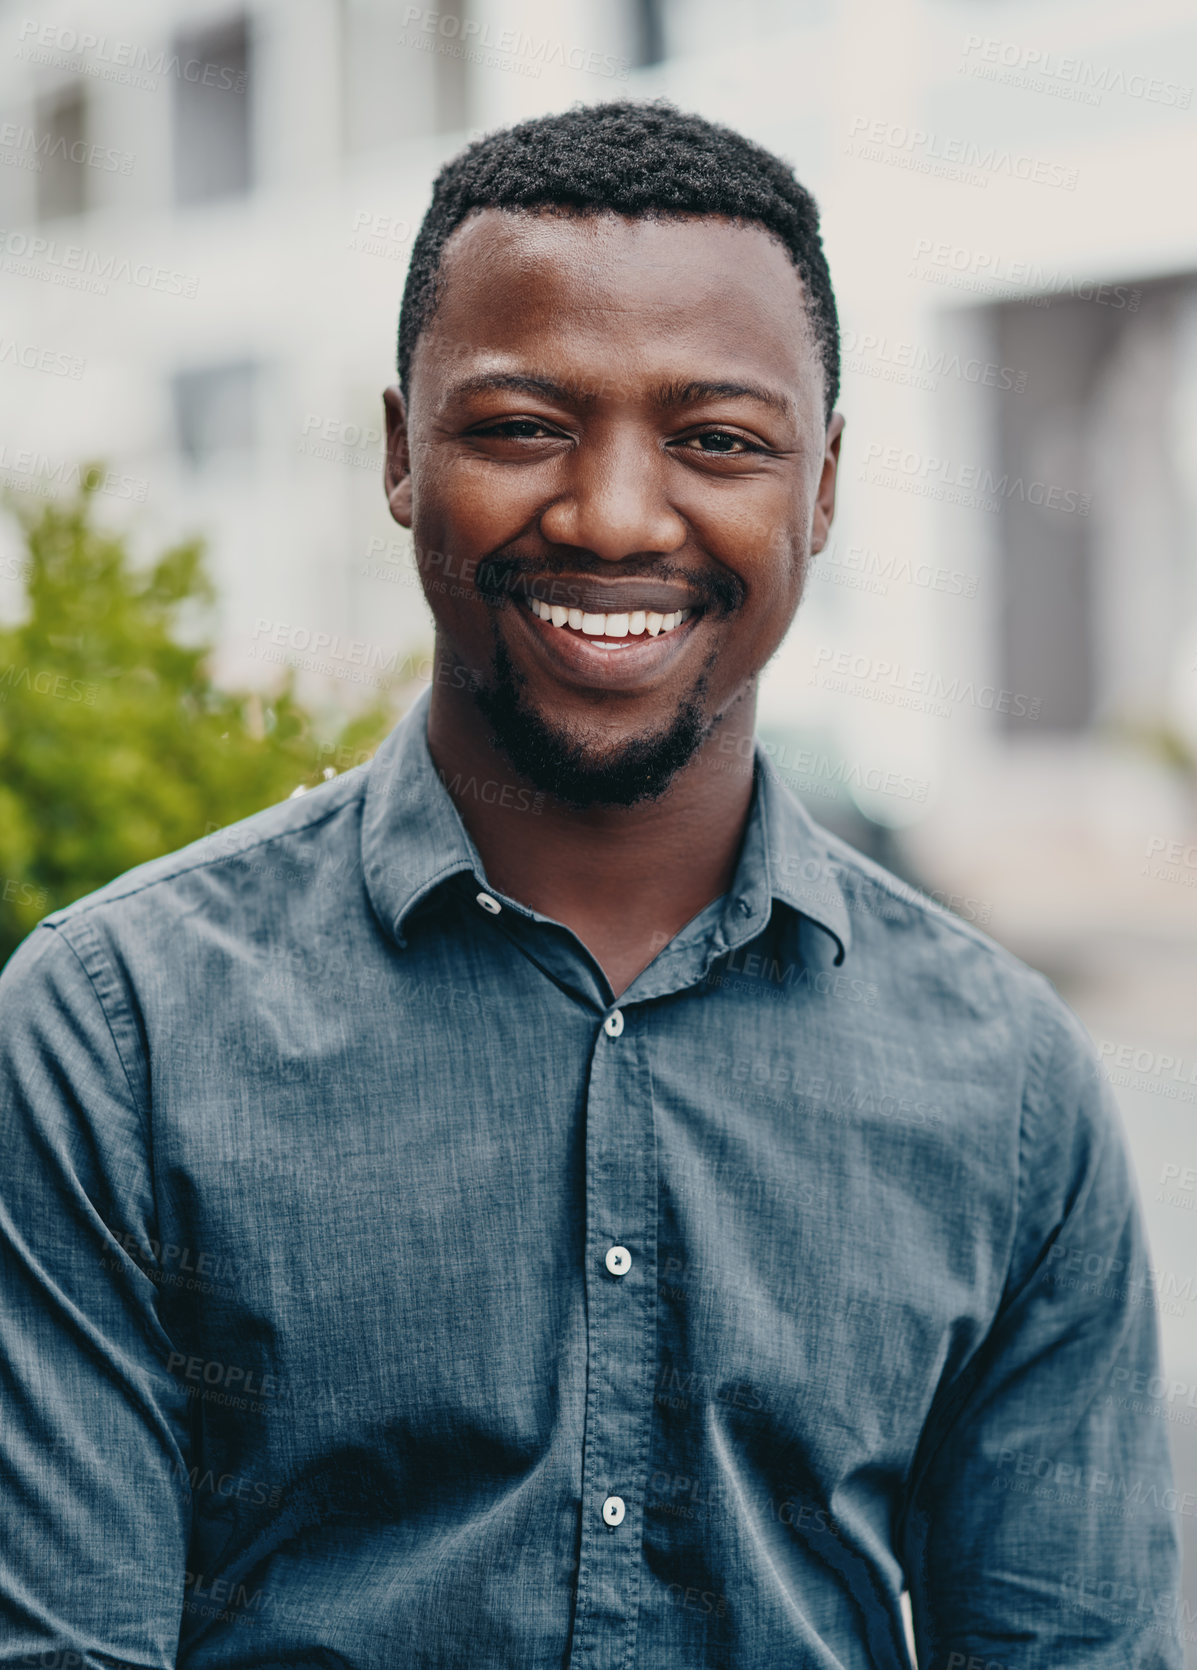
(573, 764)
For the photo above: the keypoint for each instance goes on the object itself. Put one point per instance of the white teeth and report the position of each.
(630, 625)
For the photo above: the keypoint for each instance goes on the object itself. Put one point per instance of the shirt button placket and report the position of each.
(621, 1256)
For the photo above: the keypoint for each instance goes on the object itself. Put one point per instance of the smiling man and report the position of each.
(540, 1200)
(620, 429)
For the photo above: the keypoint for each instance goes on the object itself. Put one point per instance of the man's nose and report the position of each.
(614, 502)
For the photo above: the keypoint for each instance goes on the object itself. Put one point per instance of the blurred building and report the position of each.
(207, 214)
(208, 211)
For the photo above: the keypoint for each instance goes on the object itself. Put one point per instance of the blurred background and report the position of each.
(207, 214)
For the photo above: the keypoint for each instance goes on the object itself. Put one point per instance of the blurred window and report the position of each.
(213, 109)
(381, 97)
(452, 68)
(1045, 573)
(664, 29)
(405, 72)
(1096, 520)
(648, 32)
(60, 133)
(215, 413)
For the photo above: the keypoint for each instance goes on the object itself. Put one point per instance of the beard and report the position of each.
(571, 764)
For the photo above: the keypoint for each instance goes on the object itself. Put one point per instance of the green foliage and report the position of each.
(115, 745)
(1160, 739)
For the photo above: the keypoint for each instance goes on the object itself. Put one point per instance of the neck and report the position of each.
(625, 879)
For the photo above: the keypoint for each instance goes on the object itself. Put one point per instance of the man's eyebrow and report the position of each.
(667, 394)
(689, 394)
(516, 382)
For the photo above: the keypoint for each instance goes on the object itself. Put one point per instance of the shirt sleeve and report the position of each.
(1041, 1528)
(94, 1492)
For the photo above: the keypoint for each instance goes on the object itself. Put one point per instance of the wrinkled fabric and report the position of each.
(313, 1356)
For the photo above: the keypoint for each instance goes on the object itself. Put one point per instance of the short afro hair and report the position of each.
(642, 160)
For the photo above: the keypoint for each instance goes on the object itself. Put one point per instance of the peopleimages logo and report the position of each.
(338, 442)
(36, 472)
(37, 147)
(923, 151)
(1163, 1074)
(1171, 861)
(864, 569)
(44, 681)
(15, 892)
(919, 688)
(990, 272)
(79, 268)
(974, 486)
(916, 364)
(35, 358)
(116, 60)
(814, 768)
(378, 234)
(988, 58)
(470, 35)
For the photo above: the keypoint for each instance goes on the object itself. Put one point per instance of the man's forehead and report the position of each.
(658, 241)
(592, 277)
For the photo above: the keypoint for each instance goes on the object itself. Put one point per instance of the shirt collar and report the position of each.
(800, 868)
(412, 836)
(413, 840)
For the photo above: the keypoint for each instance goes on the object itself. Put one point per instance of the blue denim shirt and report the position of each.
(379, 1293)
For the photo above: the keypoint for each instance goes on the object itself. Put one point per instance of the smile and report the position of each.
(607, 650)
(632, 624)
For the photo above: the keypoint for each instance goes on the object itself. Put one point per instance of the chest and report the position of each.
(413, 1225)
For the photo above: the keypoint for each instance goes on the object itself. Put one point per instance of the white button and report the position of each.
(487, 903)
(613, 1510)
(619, 1261)
(613, 1025)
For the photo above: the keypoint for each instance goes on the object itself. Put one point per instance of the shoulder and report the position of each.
(1008, 1057)
(161, 949)
(910, 929)
(942, 972)
(227, 887)
(270, 845)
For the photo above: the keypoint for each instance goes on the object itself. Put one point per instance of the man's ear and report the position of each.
(825, 497)
(397, 468)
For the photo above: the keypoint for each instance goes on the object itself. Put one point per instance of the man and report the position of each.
(540, 1200)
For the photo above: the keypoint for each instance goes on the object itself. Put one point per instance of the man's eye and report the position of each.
(514, 429)
(719, 441)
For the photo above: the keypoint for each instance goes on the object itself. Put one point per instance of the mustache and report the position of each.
(500, 579)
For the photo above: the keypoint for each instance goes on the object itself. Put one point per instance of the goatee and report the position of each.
(565, 763)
